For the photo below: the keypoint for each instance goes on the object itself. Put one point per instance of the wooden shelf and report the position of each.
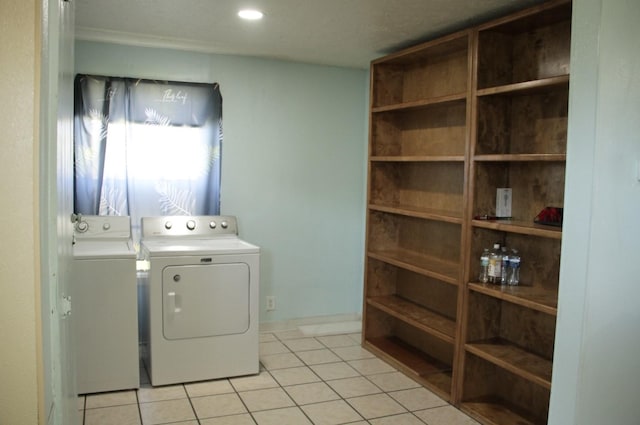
(495, 411)
(451, 120)
(442, 46)
(550, 157)
(421, 104)
(421, 185)
(514, 359)
(433, 72)
(533, 45)
(419, 263)
(430, 371)
(427, 214)
(527, 87)
(526, 125)
(544, 14)
(521, 227)
(408, 158)
(417, 316)
(431, 130)
(534, 298)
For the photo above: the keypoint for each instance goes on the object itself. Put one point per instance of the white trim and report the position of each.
(319, 323)
(351, 327)
(144, 40)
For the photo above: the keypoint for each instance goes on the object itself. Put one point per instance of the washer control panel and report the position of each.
(102, 227)
(189, 226)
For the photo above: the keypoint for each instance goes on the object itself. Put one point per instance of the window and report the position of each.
(146, 148)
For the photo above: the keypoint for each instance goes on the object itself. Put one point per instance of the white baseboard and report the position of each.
(350, 323)
(350, 327)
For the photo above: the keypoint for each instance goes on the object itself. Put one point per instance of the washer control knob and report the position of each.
(82, 226)
(106, 226)
(168, 225)
(191, 224)
(212, 224)
(224, 224)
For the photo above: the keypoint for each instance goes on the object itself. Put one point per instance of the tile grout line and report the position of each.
(84, 410)
(319, 377)
(304, 364)
(326, 382)
(139, 408)
(237, 393)
(146, 371)
(193, 409)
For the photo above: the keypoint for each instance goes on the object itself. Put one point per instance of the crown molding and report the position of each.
(144, 40)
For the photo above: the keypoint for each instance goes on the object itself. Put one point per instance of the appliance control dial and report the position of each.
(191, 224)
(168, 225)
(106, 226)
(212, 224)
(82, 226)
(224, 224)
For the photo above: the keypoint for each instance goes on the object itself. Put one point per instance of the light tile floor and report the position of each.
(322, 380)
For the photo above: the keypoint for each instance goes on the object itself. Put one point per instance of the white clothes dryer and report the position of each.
(104, 305)
(202, 292)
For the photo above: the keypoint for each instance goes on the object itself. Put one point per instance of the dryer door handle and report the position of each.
(174, 306)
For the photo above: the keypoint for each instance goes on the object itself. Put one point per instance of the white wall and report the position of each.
(19, 250)
(293, 166)
(56, 205)
(596, 373)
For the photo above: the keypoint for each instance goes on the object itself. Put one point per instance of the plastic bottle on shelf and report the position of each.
(514, 269)
(504, 266)
(484, 266)
(495, 259)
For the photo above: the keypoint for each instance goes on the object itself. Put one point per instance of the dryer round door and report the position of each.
(205, 300)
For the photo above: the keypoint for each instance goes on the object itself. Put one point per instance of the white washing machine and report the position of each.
(104, 305)
(202, 299)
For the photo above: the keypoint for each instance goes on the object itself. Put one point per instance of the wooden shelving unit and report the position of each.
(418, 156)
(518, 140)
(536, 298)
(452, 120)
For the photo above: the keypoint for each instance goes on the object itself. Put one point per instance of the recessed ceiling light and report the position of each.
(250, 14)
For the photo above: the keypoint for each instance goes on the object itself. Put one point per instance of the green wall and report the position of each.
(293, 166)
(596, 367)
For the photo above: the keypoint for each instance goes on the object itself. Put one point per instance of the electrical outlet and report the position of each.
(271, 303)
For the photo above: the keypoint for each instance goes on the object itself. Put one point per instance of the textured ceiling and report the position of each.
(346, 33)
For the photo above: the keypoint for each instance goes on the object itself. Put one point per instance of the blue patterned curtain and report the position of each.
(146, 148)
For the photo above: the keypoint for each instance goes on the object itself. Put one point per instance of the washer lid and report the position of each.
(171, 246)
(92, 249)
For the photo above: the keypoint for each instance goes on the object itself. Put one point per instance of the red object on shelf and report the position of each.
(550, 216)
